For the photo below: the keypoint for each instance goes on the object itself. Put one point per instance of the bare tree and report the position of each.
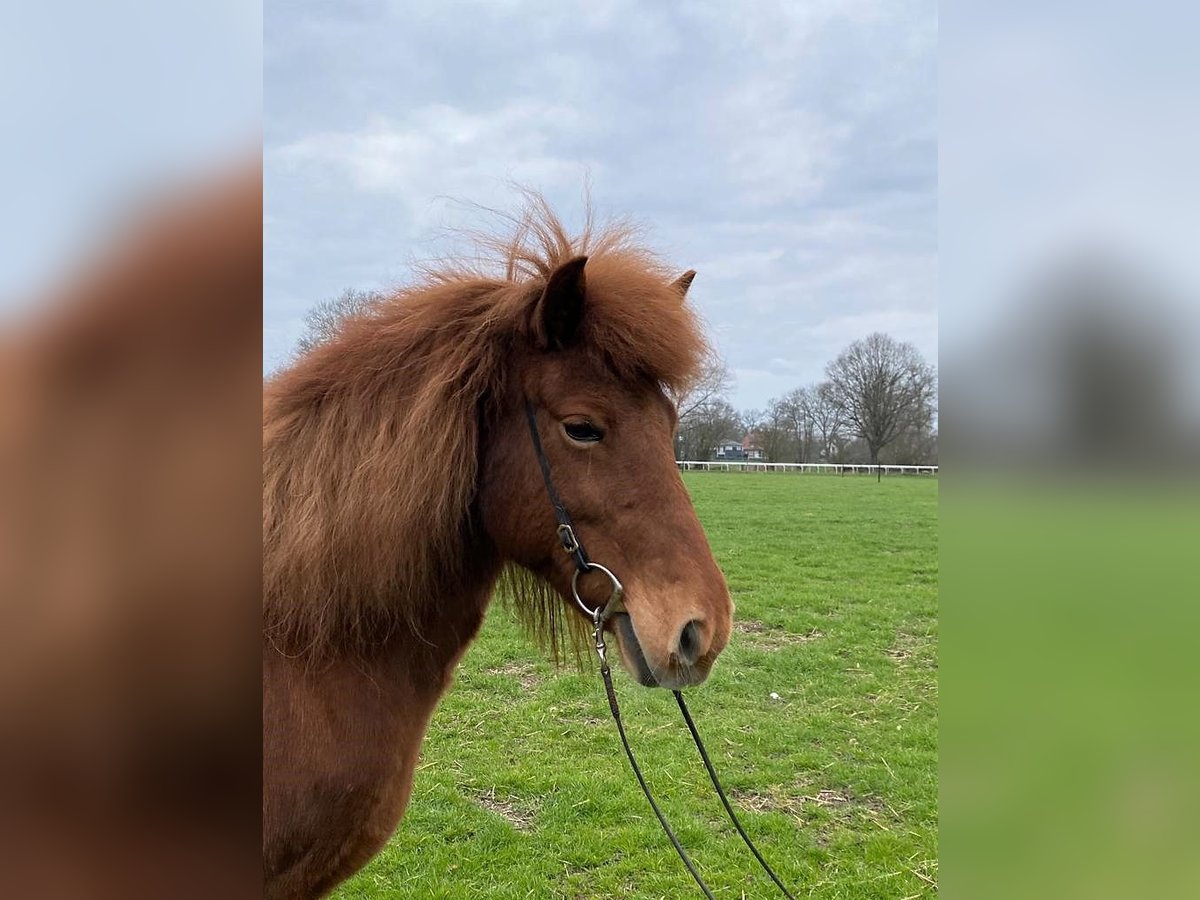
(914, 447)
(828, 422)
(774, 431)
(707, 425)
(784, 429)
(325, 319)
(813, 423)
(705, 414)
(882, 387)
(714, 384)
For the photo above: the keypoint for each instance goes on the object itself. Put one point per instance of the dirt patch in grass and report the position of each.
(762, 637)
(911, 649)
(757, 801)
(517, 814)
(797, 801)
(525, 673)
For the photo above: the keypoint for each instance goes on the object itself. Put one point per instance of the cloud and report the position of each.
(785, 151)
(441, 149)
(776, 153)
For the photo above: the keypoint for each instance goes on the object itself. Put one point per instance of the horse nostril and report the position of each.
(689, 643)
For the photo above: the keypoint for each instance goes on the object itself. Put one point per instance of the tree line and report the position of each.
(876, 404)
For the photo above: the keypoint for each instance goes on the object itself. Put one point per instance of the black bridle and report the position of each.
(571, 544)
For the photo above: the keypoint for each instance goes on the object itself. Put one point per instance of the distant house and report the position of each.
(739, 449)
(730, 448)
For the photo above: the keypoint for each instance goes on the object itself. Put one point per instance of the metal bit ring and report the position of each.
(600, 613)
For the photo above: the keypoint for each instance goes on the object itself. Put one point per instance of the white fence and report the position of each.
(821, 468)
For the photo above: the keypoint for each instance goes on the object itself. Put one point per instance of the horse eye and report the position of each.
(583, 432)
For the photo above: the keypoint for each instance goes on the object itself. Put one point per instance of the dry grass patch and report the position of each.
(802, 801)
(781, 800)
(517, 814)
(775, 801)
(525, 673)
(762, 637)
(910, 647)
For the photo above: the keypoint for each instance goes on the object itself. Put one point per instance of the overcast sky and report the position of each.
(786, 151)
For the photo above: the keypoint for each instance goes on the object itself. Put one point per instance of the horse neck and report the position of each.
(423, 650)
(417, 651)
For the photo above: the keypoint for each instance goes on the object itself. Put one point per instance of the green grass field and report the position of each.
(524, 791)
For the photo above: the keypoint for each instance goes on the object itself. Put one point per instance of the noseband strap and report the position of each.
(572, 545)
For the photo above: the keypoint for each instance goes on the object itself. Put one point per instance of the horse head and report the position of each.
(593, 365)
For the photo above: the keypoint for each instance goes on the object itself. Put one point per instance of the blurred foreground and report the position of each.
(1070, 515)
(130, 561)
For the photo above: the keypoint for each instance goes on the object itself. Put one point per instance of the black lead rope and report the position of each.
(716, 782)
(571, 544)
(616, 714)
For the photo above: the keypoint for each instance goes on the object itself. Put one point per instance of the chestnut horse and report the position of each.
(400, 483)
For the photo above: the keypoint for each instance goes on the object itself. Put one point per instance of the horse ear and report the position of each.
(559, 310)
(683, 282)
